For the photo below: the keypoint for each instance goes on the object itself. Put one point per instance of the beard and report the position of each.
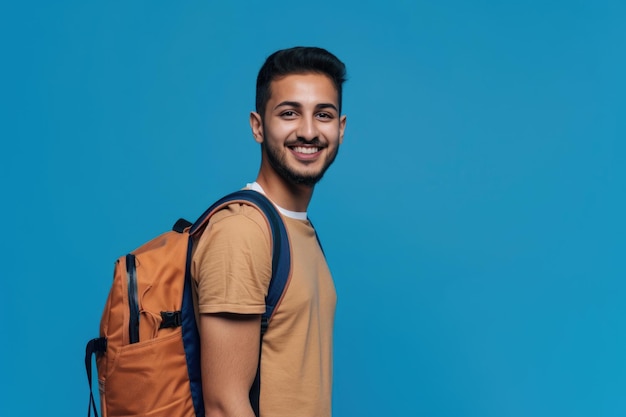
(279, 162)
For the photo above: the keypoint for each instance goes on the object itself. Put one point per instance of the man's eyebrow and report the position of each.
(327, 106)
(288, 104)
(299, 105)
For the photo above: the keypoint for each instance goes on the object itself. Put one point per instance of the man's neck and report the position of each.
(289, 196)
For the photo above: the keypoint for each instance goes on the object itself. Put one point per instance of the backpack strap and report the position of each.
(319, 242)
(97, 345)
(281, 267)
(281, 253)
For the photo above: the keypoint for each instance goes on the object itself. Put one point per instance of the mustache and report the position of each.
(302, 141)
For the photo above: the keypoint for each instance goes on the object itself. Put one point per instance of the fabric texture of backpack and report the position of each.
(148, 352)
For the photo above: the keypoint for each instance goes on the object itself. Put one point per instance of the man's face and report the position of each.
(302, 129)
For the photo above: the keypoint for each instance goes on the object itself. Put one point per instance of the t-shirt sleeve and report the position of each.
(231, 264)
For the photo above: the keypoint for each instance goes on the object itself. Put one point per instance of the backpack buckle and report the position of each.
(170, 319)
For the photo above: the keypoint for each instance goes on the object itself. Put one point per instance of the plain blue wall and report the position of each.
(474, 219)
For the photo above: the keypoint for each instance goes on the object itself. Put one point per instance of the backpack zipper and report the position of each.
(133, 300)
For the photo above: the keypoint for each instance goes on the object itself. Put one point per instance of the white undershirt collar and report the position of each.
(298, 215)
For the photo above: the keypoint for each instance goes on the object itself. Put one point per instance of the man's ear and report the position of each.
(342, 128)
(256, 124)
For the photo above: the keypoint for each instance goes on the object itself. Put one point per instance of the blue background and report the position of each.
(474, 219)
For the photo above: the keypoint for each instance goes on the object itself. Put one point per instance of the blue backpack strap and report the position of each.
(319, 242)
(281, 266)
(94, 346)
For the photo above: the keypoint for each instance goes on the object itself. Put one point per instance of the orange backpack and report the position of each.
(148, 352)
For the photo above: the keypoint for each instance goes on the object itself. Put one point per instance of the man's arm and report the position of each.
(230, 355)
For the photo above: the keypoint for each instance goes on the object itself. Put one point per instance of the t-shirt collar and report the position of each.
(298, 215)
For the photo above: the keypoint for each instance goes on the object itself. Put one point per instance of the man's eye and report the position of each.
(288, 113)
(325, 115)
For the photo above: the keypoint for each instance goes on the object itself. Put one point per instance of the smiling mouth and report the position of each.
(307, 150)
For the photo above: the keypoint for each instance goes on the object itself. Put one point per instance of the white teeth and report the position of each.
(305, 149)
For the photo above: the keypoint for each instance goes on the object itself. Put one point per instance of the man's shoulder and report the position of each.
(239, 213)
(234, 227)
(238, 221)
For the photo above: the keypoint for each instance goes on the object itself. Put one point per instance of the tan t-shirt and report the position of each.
(232, 267)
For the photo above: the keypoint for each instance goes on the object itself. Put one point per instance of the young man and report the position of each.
(299, 125)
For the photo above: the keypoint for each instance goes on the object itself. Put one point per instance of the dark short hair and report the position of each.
(297, 60)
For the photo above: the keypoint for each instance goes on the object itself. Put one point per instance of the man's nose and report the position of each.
(307, 130)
